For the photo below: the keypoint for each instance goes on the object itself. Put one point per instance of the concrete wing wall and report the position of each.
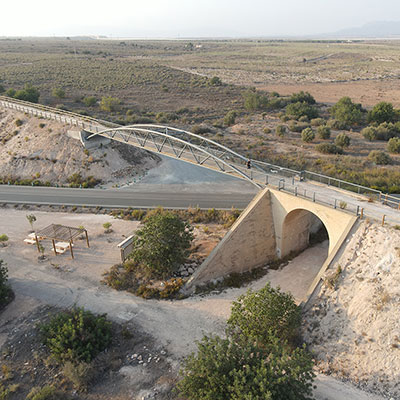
(249, 244)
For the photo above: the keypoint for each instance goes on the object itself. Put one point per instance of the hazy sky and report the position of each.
(189, 18)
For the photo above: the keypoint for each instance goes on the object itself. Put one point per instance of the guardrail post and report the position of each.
(313, 197)
(266, 181)
(385, 201)
(362, 213)
(383, 219)
(335, 206)
(358, 209)
(293, 180)
(305, 193)
(295, 191)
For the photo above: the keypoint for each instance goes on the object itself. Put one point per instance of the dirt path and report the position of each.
(175, 325)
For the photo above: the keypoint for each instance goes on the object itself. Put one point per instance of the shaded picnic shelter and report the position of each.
(62, 234)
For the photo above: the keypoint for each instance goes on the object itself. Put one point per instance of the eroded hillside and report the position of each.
(353, 325)
(33, 148)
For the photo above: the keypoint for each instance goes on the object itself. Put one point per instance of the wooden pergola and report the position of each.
(61, 233)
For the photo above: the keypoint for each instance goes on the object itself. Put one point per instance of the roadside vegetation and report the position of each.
(6, 293)
(259, 357)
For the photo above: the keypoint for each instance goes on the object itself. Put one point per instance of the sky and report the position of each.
(190, 18)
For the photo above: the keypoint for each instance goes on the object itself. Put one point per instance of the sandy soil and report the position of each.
(48, 154)
(367, 92)
(60, 281)
(354, 330)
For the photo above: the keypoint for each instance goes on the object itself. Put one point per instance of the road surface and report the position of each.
(113, 198)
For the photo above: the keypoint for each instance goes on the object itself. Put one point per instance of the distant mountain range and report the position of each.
(376, 29)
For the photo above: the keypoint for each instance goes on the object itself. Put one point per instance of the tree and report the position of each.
(393, 145)
(29, 93)
(307, 135)
(31, 219)
(230, 118)
(324, 132)
(163, 244)
(267, 312)
(254, 100)
(379, 157)
(300, 109)
(109, 103)
(238, 369)
(382, 112)
(347, 112)
(58, 92)
(90, 101)
(342, 140)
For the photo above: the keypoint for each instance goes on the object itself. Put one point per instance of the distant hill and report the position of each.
(376, 29)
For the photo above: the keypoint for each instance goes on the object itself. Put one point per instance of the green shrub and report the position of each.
(29, 93)
(3, 238)
(238, 369)
(328, 148)
(317, 122)
(369, 133)
(18, 122)
(303, 97)
(6, 293)
(230, 118)
(280, 130)
(200, 129)
(80, 374)
(276, 103)
(163, 244)
(347, 112)
(307, 135)
(324, 132)
(76, 335)
(342, 140)
(269, 311)
(109, 103)
(386, 131)
(298, 127)
(254, 100)
(299, 109)
(90, 101)
(215, 81)
(76, 180)
(107, 226)
(58, 92)
(379, 157)
(336, 124)
(393, 145)
(382, 112)
(46, 393)
(267, 130)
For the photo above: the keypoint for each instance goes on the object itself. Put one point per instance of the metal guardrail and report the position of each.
(261, 174)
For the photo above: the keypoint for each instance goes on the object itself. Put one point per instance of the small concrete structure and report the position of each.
(94, 143)
(273, 225)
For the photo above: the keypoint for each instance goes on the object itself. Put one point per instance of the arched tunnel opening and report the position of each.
(305, 240)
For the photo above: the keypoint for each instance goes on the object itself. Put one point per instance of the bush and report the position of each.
(5, 290)
(3, 238)
(46, 393)
(230, 118)
(303, 97)
(382, 112)
(58, 92)
(386, 131)
(215, 81)
(393, 145)
(76, 335)
(347, 112)
(328, 148)
(18, 122)
(238, 369)
(324, 132)
(80, 374)
(110, 104)
(200, 129)
(379, 157)
(342, 140)
(280, 130)
(369, 133)
(29, 93)
(163, 244)
(298, 127)
(307, 135)
(76, 180)
(254, 100)
(317, 122)
(299, 109)
(335, 124)
(90, 101)
(258, 315)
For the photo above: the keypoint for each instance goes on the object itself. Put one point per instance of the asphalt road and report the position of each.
(121, 198)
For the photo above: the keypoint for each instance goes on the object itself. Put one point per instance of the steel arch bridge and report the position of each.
(187, 146)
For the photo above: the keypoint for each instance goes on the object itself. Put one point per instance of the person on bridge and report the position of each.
(248, 164)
